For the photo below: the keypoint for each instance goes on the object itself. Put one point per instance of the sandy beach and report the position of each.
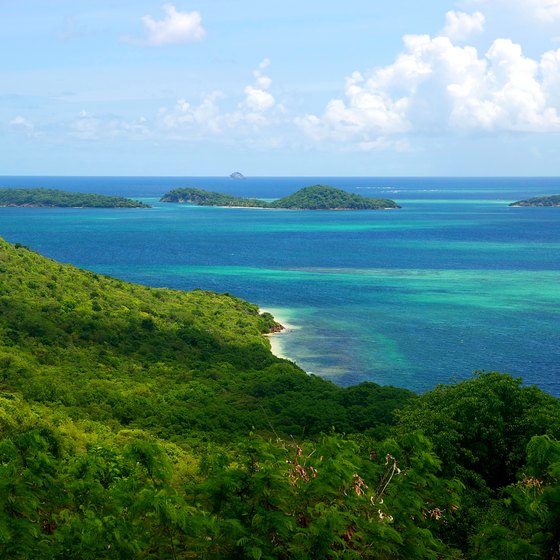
(277, 340)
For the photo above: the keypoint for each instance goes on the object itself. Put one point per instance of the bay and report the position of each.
(453, 282)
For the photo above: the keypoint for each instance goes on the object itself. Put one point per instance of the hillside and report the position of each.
(200, 197)
(78, 333)
(53, 198)
(317, 197)
(553, 200)
(323, 197)
(142, 423)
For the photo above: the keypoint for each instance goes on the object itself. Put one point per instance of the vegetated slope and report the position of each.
(317, 197)
(51, 198)
(324, 197)
(552, 200)
(200, 197)
(181, 364)
(150, 423)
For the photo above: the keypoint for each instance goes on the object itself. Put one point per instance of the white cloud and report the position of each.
(436, 86)
(550, 71)
(258, 98)
(256, 110)
(516, 93)
(368, 109)
(176, 28)
(460, 25)
(206, 115)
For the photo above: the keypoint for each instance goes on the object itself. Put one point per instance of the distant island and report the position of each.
(237, 175)
(316, 197)
(54, 198)
(323, 197)
(200, 197)
(552, 200)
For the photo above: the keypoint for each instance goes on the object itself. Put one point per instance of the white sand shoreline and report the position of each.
(276, 338)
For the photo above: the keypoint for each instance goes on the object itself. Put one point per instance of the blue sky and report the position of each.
(98, 87)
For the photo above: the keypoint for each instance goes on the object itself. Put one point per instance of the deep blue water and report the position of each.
(453, 282)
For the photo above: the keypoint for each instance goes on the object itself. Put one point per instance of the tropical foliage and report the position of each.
(323, 197)
(200, 197)
(317, 197)
(39, 198)
(553, 200)
(141, 423)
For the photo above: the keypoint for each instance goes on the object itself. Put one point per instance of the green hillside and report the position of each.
(200, 197)
(90, 342)
(51, 198)
(323, 197)
(317, 197)
(142, 423)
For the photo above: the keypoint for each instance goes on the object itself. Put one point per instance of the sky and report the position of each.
(293, 88)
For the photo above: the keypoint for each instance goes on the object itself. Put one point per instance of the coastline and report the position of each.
(277, 339)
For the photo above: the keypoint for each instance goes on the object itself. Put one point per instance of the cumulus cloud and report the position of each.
(460, 25)
(257, 109)
(258, 98)
(367, 109)
(437, 86)
(550, 71)
(175, 28)
(511, 96)
(184, 115)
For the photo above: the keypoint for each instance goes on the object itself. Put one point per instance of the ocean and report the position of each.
(453, 282)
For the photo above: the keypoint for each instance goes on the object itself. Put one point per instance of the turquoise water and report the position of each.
(454, 281)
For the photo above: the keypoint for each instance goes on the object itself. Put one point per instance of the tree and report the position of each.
(325, 500)
(525, 522)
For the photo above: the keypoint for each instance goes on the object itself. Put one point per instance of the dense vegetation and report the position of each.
(142, 423)
(553, 200)
(317, 197)
(200, 197)
(40, 198)
(323, 197)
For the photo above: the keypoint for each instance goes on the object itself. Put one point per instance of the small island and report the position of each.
(237, 175)
(316, 197)
(324, 197)
(200, 197)
(54, 198)
(552, 200)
